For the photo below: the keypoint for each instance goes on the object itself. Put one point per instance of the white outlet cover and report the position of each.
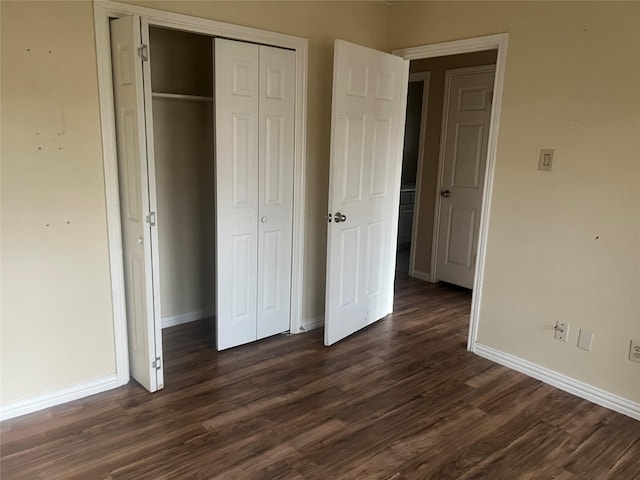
(561, 331)
(634, 351)
(585, 339)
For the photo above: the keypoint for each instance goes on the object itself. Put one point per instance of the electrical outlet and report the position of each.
(634, 352)
(562, 331)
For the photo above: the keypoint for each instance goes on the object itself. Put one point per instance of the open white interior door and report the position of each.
(137, 220)
(367, 128)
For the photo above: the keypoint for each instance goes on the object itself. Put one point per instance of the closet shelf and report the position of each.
(180, 96)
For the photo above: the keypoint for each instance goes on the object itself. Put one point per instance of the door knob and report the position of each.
(339, 217)
(140, 240)
(445, 193)
(263, 219)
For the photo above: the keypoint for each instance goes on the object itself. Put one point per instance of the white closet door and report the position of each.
(236, 104)
(134, 203)
(367, 127)
(276, 144)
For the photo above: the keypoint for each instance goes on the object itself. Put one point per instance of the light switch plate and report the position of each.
(585, 339)
(546, 159)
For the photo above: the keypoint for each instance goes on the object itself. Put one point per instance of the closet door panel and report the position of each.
(275, 192)
(236, 114)
(142, 319)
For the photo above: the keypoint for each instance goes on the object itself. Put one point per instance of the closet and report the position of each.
(205, 143)
(183, 145)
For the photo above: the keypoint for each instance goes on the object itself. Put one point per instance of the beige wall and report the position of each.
(185, 195)
(57, 326)
(563, 245)
(437, 68)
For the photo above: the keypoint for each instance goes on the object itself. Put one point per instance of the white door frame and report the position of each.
(435, 239)
(424, 77)
(103, 10)
(490, 42)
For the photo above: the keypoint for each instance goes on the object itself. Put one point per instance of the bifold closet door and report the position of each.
(254, 190)
(275, 189)
(143, 319)
(236, 105)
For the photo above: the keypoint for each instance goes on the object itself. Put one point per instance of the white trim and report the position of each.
(424, 77)
(420, 275)
(309, 324)
(448, 75)
(56, 397)
(103, 10)
(179, 319)
(299, 187)
(454, 47)
(563, 382)
(114, 229)
(491, 42)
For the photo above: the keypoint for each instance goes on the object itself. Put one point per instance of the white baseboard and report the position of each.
(563, 382)
(309, 324)
(173, 320)
(56, 397)
(420, 275)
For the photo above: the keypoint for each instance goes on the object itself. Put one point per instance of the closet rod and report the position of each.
(179, 96)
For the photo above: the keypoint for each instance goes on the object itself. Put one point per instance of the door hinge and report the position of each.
(156, 363)
(143, 52)
(151, 219)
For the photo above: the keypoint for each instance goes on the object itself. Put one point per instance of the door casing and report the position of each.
(497, 42)
(425, 78)
(103, 11)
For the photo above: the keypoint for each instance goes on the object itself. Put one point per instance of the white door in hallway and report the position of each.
(367, 129)
(466, 119)
(143, 317)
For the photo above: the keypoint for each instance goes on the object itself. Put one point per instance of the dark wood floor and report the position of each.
(401, 400)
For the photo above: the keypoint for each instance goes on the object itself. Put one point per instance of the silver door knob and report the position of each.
(445, 193)
(339, 217)
(263, 219)
(140, 240)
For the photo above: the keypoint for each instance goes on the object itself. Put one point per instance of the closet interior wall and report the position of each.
(182, 89)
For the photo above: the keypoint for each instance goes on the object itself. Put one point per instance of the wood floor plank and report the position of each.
(400, 400)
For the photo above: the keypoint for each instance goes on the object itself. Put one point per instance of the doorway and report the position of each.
(359, 260)
(497, 43)
(438, 146)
